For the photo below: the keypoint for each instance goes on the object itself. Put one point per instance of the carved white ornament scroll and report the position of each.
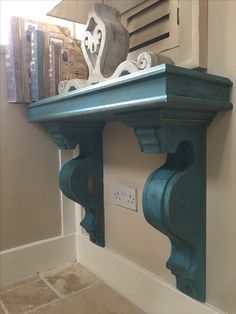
(105, 48)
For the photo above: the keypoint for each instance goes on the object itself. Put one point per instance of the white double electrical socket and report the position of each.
(124, 196)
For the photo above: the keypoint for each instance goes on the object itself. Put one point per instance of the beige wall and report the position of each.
(128, 233)
(221, 200)
(30, 200)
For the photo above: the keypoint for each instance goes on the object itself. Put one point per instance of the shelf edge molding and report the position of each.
(169, 108)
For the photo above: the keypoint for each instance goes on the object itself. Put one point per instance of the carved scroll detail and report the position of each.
(105, 48)
(105, 42)
(145, 61)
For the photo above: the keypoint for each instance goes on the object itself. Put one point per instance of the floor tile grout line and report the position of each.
(5, 290)
(5, 310)
(51, 287)
(61, 299)
(34, 278)
(59, 296)
(54, 302)
(42, 306)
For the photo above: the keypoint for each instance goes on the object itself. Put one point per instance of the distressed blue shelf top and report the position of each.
(161, 87)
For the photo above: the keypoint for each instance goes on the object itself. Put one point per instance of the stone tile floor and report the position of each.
(68, 290)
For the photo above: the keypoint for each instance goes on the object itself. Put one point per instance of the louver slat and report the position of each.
(151, 23)
(147, 16)
(152, 33)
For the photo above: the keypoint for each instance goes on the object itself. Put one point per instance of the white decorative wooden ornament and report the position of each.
(105, 42)
(105, 47)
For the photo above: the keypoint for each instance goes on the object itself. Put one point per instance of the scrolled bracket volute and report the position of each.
(81, 179)
(174, 200)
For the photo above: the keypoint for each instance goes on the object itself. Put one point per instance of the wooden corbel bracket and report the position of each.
(81, 179)
(174, 202)
(174, 196)
(169, 109)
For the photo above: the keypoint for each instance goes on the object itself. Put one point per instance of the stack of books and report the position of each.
(38, 57)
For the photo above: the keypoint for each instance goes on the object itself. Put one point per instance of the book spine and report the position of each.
(37, 65)
(52, 79)
(55, 47)
(25, 32)
(13, 63)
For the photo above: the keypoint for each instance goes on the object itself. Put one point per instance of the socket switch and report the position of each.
(124, 196)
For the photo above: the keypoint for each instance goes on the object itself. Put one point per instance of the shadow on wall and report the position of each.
(127, 231)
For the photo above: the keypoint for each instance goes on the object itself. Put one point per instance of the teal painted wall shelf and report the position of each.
(169, 109)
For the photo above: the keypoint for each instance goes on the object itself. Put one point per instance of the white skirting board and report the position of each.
(144, 289)
(26, 260)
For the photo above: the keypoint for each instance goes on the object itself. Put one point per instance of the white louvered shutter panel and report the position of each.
(176, 28)
(152, 24)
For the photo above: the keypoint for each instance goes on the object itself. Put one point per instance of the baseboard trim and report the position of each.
(27, 260)
(144, 289)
